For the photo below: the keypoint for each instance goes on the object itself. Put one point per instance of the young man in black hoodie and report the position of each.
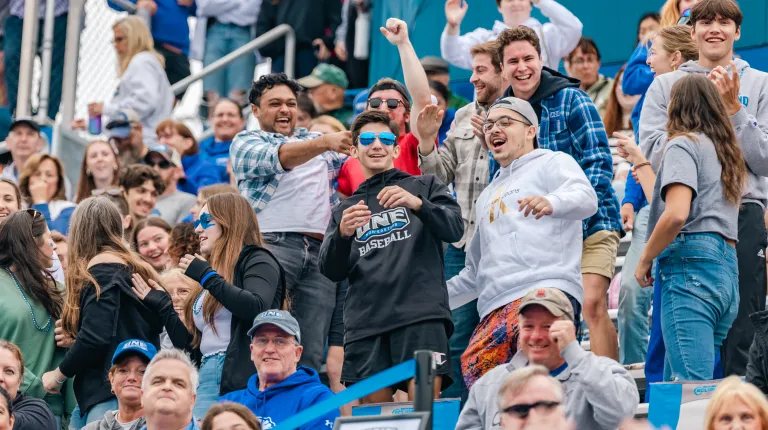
(387, 239)
(569, 122)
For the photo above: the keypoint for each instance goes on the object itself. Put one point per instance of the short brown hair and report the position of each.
(517, 34)
(31, 167)
(491, 49)
(136, 175)
(587, 46)
(183, 131)
(710, 9)
(241, 411)
(373, 117)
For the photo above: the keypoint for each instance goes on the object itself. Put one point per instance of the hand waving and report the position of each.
(140, 287)
(430, 120)
(455, 10)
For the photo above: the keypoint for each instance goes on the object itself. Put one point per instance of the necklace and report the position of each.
(195, 308)
(47, 326)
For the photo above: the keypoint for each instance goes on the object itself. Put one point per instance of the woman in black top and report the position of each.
(100, 311)
(242, 280)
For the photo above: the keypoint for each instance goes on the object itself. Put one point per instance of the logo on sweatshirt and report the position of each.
(267, 423)
(744, 100)
(383, 223)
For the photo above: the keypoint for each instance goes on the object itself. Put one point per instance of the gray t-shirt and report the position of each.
(694, 164)
(175, 207)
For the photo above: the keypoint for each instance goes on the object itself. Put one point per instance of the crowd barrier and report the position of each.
(680, 405)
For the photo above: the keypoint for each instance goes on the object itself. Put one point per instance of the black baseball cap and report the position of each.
(25, 120)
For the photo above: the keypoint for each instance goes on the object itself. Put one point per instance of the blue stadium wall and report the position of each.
(613, 25)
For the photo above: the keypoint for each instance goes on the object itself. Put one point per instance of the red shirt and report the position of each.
(351, 174)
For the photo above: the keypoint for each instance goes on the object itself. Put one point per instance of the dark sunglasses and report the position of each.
(391, 103)
(685, 17)
(109, 191)
(385, 137)
(205, 221)
(163, 164)
(523, 410)
(34, 213)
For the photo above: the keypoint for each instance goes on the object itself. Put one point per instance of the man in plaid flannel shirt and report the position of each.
(285, 172)
(569, 122)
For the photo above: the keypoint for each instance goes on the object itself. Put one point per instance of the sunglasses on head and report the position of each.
(685, 17)
(205, 221)
(109, 191)
(34, 213)
(385, 137)
(391, 103)
(522, 411)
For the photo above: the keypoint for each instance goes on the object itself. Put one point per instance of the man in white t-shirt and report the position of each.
(286, 173)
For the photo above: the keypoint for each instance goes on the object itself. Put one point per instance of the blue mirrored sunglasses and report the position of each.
(205, 221)
(385, 137)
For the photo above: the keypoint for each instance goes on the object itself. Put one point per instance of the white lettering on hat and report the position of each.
(136, 344)
(275, 314)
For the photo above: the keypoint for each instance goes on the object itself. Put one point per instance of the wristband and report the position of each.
(60, 381)
(207, 276)
(643, 164)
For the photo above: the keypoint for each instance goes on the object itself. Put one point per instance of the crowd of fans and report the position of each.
(185, 284)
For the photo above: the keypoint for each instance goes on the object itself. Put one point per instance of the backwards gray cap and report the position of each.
(280, 319)
(518, 105)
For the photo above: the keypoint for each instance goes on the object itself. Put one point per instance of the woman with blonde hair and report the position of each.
(42, 186)
(736, 405)
(242, 280)
(98, 170)
(100, 310)
(326, 124)
(143, 85)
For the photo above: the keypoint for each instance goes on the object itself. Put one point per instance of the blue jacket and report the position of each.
(61, 222)
(169, 23)
(638, 77)
(200, 173)
(569, 122)
(286, 399)
(216, 153)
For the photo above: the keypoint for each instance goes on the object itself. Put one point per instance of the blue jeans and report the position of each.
(76, 422)
(305, 62)
(210, 383)
(465, 321)
(634, 301)
(311, 296)
(221, 39)
(700, 299)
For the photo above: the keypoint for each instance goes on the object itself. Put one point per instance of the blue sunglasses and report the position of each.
(385, 137)
(205, 221)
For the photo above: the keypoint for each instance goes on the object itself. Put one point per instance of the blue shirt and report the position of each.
(169, 23)
(216, 153)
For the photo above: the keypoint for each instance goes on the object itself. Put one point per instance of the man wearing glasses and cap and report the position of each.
(528, 234)
(600, 393)
(173, 205)
(280, 388)
(125, 133)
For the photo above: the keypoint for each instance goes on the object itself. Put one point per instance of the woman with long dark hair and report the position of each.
(100, 310)
(242, 280)
(694, 224)
(151, 239)
(99, 169)
(30, 299)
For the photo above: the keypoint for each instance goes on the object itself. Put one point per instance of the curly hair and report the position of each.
(517, 34)
(267, 82)
(183, 241)
(135, 175)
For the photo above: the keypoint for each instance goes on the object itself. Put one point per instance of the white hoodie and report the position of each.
(511, 254)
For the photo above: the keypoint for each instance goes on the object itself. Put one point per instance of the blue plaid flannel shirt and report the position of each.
(257, 168)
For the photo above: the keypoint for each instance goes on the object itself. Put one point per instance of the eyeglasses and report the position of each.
(110, 191)
(585, 60)
(685, 17)
(163, 164)
(503, 122)
(385, 137)
(279, 342)
(522, 411)
(391, 103)
(205, 221)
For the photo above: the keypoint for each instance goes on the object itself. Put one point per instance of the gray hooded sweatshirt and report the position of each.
(599, 392)
(110, 423)
(750, 123)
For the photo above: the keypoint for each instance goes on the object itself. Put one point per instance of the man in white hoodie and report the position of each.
(558, 37)
(716, 26)
(528, 235)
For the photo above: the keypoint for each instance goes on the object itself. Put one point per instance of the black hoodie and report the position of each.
(395, 263)
(552, 81)
(32, 414)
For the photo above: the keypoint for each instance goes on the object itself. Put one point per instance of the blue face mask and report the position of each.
(385, 137)
(205, 221)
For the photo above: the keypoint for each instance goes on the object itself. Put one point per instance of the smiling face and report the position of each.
(277, 110)
(521, 67)
(126, 380)
(23, 141)
(209, 232)
(172, 139)
(488, 83)
(168, 391)
(9, 202)
(510, 143)
(736, 415)
(515, 11)
(715, 39)
(376, 157)
(585, 66)
(101, 161)
(275, 354)
(10, 372)
(227, 121)
(152, 244)
(6, 420)
(178, 290)
(398, 115)
(538, 389)
(142, 199)
(534, 338)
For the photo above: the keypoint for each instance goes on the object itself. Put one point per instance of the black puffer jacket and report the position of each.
(757, 368)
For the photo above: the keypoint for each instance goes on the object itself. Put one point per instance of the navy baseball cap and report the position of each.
(25, 120)
(280, 319)
(120, 124)
(136, 346)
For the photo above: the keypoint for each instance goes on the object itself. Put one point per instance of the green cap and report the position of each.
(325, 74)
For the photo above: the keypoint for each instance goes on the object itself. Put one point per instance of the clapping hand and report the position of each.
(353, 218)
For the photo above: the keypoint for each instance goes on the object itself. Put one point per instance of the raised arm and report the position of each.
(563, 32)
(294, 154)
(453, 47)
(396, 31)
